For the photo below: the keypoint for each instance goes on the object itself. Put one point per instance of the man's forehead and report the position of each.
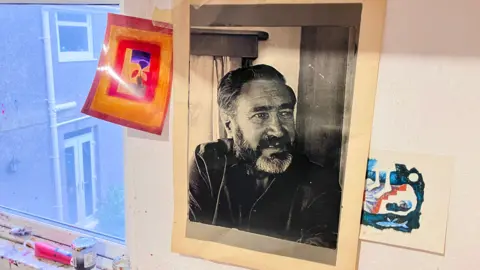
(262, 94)
(267, 89)
(263, 84)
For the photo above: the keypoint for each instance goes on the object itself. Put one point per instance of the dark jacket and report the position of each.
(302, 204)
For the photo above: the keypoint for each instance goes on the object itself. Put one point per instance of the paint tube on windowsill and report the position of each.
(121, 263)
(21, 232)
(50, 252)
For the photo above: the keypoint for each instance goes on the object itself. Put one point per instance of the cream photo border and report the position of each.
(369, 49)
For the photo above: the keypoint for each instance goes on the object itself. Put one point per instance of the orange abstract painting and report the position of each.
(133, 80)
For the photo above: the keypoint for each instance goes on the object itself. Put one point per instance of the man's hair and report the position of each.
(231, 84)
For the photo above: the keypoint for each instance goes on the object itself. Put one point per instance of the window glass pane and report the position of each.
(73, 38)
(81, 155)
(87, 178)
(70, 174)
(71, 17)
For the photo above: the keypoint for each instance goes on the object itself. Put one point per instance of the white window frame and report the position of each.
(76, 142)
(107, 248)
(75, 56)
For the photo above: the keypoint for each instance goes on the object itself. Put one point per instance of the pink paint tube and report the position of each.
(50, 252)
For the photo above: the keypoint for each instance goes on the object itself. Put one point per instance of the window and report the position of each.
(81, 177)
(61, 172)
(74, 36)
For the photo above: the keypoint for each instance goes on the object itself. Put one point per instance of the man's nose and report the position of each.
(274, 127)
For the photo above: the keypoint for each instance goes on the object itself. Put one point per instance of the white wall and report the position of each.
(428, 101)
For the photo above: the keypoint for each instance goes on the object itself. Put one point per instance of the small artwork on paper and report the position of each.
(406, 200)
(393, 199)
(132, 83)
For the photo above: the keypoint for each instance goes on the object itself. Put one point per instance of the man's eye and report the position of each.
(286, 114)
(262, 116)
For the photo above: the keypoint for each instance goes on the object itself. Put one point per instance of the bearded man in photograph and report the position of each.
(256, 180)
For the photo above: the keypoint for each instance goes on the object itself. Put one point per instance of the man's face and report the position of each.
(263, 127)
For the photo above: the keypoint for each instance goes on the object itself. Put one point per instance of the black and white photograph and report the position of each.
(269, 111)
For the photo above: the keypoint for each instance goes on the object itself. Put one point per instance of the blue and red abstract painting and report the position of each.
(393, 197)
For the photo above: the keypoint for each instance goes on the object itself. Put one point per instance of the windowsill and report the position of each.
(59, 237)
(77, 60)
(14, 254)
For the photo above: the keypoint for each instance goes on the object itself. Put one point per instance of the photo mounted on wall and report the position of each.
(269, 110)
(264, 118)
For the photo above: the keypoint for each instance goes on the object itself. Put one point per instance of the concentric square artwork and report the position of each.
(133, 80)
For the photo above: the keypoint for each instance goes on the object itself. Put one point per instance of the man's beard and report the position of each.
(274, 164)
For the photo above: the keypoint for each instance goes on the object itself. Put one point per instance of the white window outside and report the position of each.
(81, 179)
(74, 36)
